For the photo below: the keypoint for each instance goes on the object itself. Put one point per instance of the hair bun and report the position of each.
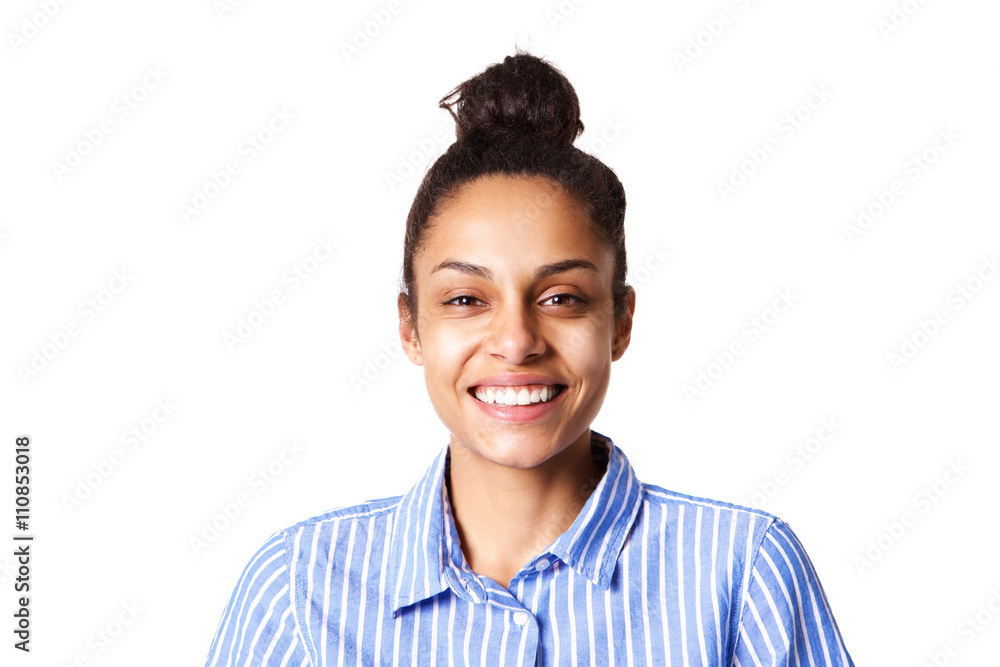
(523, 95)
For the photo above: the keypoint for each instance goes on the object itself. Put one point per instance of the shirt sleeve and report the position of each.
(258, 626)
(786, 618)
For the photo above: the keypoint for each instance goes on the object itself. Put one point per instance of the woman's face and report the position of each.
(515, 304)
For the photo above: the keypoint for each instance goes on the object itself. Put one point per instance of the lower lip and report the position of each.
(519, 414)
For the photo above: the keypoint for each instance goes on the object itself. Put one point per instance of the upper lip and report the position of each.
(516, 380)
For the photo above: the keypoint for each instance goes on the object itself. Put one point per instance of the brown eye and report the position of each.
(565, 299)
(462, 300)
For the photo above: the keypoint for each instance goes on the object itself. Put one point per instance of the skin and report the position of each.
(514, 488)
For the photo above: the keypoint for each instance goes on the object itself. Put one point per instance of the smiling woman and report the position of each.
(530, 539)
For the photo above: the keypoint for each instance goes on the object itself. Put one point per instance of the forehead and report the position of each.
(512, 220)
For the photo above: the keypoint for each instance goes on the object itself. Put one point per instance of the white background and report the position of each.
(672, 130)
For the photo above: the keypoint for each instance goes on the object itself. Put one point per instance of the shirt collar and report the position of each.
(426, 556)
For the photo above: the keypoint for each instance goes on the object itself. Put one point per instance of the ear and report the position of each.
(408, 331)
(623, 327)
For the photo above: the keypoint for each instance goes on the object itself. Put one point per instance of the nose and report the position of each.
(514, 334)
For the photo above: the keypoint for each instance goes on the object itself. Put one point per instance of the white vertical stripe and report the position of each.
(309, 581)
(663, 583)
(609, 622)
(682, 615)
(469, 622)
(346, 585)
(451, 628)
(627, 603)
(533, 610)
(434, 632)
(503, 637)
(382, 609)
(644, 579)
(363, 602)
(715, 588)
(553, 614)
(486, 634)
(697, 585)
(396, 640)
(590, 621)
(418, 610)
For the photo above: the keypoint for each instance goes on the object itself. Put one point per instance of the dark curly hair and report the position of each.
(519, 118)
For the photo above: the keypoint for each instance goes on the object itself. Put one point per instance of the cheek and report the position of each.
(445, 351)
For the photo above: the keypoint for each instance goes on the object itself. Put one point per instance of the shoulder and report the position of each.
(696, 513)
(347, 513)
(753, 534)
(325, 530)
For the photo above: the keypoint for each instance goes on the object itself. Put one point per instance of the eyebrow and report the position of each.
(540, 274)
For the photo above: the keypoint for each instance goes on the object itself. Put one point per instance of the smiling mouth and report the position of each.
(514, 396)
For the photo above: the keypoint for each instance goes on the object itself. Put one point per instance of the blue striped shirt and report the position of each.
(644, 576)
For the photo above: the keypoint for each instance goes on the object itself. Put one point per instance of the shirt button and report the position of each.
(520, 617)
(542, 564)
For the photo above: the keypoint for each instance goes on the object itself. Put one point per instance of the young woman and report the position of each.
(530, 539)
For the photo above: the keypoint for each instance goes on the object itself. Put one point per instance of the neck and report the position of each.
(506, 516)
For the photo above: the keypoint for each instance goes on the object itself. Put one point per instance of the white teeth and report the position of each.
(516, 396)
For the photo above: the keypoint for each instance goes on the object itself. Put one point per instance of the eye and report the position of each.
(464, 300)
(565, 299)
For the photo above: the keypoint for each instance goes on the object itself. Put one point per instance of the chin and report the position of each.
(510, 451)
